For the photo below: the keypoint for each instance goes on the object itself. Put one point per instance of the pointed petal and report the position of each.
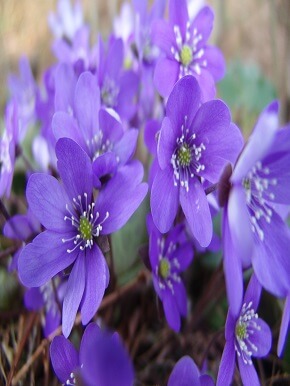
(96, 280)
(64, 358)
(75, 168)
(47, 201)
(227, 365)
(184, 373)
(196, 209)
(43, 258)
(74, 293)
(110, 126)
(164, 199)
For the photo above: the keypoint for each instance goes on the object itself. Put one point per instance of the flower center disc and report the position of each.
(184, 155)
(85, 228)
(241, 330)
(186, 55)
(164, 268)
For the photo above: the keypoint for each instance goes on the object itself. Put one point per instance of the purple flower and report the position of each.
(186, 373)
(194, 143)
(8, 143)
(118, 87)
(185, 48)
(102, 360)
(247, 336)
(97, 130)
(285, 323)
(169, 257)
(74, 222)
(253, 232)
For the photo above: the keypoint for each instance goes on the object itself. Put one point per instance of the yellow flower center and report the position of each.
(164, 268)
(186, 55)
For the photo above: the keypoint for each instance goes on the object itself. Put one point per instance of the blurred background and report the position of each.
(253, 35)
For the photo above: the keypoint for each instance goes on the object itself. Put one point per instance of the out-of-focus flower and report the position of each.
(170, 255)
(186, 52)
(247, 336)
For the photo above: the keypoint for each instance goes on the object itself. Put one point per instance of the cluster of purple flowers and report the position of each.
(85, 183)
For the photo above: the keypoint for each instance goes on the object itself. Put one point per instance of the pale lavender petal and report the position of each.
(207, 85)
(227, 365)
(233, 269)
(65, 82)
(196, 209)
(248, 374)
(47, 201)
(75, 168)
(166, 75)
(19, 227)
(64, 358)
(151, 135)
(43, 258)
(164, 199)
(184, 373)
(74, 293)
(96, 280)
(240, 226)
(259, 142)
(110, 126)
(284, 326)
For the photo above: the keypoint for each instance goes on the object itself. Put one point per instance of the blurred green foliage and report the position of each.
(247, 91)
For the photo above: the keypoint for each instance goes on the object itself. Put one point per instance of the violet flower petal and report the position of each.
(184, 373)
(248, 374)
(227, 364)
(284, 326)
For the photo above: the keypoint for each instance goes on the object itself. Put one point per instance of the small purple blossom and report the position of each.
(186, 52)
(254, 234)
(194, 143)
(247, 336)
(186, 373)
(102, 360)
(74, 221)
(170, 255)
